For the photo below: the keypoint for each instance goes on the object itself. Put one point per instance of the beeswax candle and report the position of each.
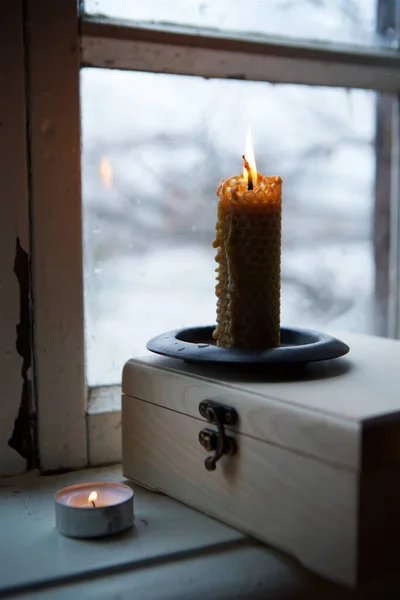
(248, 242)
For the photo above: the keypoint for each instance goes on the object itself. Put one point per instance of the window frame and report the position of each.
(182, 50)
(14, 226)
(53, 123)
(79, 426)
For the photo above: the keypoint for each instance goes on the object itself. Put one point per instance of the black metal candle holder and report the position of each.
(195, 344)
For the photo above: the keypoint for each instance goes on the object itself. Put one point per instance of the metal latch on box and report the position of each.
(217, 441)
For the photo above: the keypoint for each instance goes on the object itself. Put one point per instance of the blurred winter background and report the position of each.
(155, 148)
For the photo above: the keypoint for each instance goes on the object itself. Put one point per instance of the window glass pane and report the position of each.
(348, 21)
(154, 150)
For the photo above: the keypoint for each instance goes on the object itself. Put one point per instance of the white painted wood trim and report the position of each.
(54, 124)
(104, 425)
(109, 43)
(103, 399)
(385, 205)
(394, 258)
(14, 222)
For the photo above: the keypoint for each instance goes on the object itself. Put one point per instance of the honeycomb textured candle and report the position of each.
(248, 239)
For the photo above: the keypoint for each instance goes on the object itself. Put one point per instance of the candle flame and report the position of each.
(106, 174)
(92, 497)
(249, 155)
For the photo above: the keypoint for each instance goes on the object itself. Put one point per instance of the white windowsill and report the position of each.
(172, 552)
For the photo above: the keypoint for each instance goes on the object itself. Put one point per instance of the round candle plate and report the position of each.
(195, 344)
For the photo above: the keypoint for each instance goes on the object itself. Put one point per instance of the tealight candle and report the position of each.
(96, 509)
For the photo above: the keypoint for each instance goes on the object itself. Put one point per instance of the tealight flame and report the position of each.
(249, 157)
(106, 173)
(92, 498)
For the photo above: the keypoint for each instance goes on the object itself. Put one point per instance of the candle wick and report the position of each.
(248, 169)
(94, 505)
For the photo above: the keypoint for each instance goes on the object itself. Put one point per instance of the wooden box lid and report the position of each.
(345, 411)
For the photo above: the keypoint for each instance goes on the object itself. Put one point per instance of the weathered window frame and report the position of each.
(14, 233)
(116, 44)
(73, 432)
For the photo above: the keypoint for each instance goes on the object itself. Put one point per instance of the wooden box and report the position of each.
(317, 467)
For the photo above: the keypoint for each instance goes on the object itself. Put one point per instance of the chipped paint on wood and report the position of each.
(24, 433)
